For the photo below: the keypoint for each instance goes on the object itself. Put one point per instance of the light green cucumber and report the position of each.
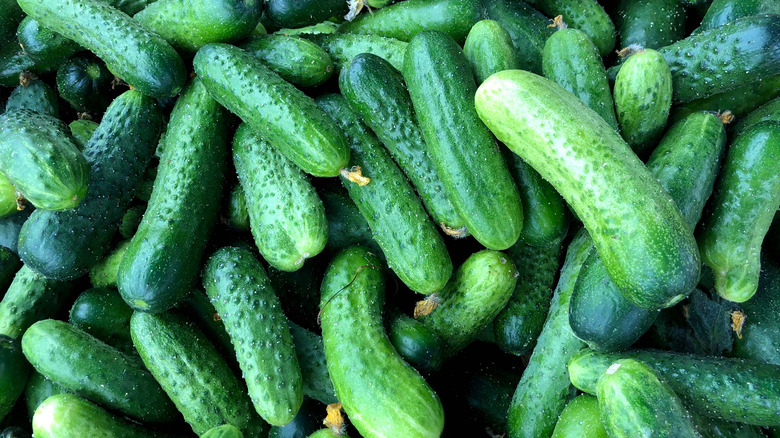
(224, 431)
(104, 273)
(489, 49)
(342, 47)
(9, 199)
(580, 418)
(297, 60)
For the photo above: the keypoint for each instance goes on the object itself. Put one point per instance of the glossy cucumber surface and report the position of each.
(30, 298)
(586, 15)
(489, 49)
(527, 27)
(297, 60)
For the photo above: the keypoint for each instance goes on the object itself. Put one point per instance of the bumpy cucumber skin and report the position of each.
(464, 154)
(414, 249)
(544, 388)
(42, 45)
(730, 389)
(9, 266)
(652, 257)
(406, 19)
(90, 368)
(300, 13)
(30, 298)
(102, 313)
(164, 256)
(342, 47)
(767, 111)
(650, 23)
(35, 96)
(363, 365)
(38, 389)
(241, 292)
(745, 201)
(580, 418)
(572, 61)
(85, 82)
(276, 110)
(66, 244)
(416, 342)
(296, 60)
(527, 28)
(376, 91)
(8, 197)
(14, 371)
(314, 370)
(634, 402)
(760, 338)
(587, 16)
(722, 12)
(715, 428)
(70, 416)
(41, 160)
(489, 49)
(81, 131)
(104, 273)
(740, 101)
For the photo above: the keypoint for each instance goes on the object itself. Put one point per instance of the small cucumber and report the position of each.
(104, 273)
(14, 371)
(416, 342)
(88, 367)
(585, 15)
(276, 110)
(342, 47)
(651, 24)
(635, 402)
(580, 418)
(489, 49)
(8, 198)
(365, 368)
(745, 201)
(34, 95)
(190, 370)
(527, 28)
(42, 161)
(297, 60)
(300, 13)
(42, 45)
(70, 416)
(38, 389)
(759, 338)
(102, 313)
(9, 266)
(131, 220)
(81, 131)
(464, 154)
(314, 370)
(224, 431)
(237, 214)
(346, 225)
(241, 292)
(740, 101)
(30, 298)
(768, 111)
(723, 12)
(286, 216)
(85, 82)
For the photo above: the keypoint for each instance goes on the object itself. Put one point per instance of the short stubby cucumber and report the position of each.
(14, 371)
(34, 95)
(650, 23)
(489, 49)
(366, 371)
(342, 47)
(760, 336)
(579, 418)
(297, 60)
(641, 236)
(85, 82)
(30, 298)
(275, 109)
(585, 15)
(102, 313)
(70, 416)
(527, 27)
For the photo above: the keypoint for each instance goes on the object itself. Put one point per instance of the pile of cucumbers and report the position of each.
(390, 219)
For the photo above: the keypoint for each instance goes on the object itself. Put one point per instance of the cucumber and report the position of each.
(14, 371)
(580, 418)
(346, 226)
(308, 420)
(199, 307)
(489, 49)
(283, 115)
(38, 389)
(241, 292)
(129, 7)
(713, 428)
(42, 45)
(81, 131)
(768, 111)
(375, 90)
(104, 273)
(41, 160)
(565, 140)
(286, 216)
(744, 203)
(224, 431)
(131, 220)
(406, 19)
(722, 12)
(585, 15)
(14, 62)
(725, 388)
(300, 13)
(414, 249)
(191, 24)
(651, 24)
(366, 371)
(30, 298)
(327, 433)
(9, 266)
(342, 47)
(527, 28)
(142, 58)
(10, 227)
(416, 342)
(9, 199)
(190, 370)
(91, 369)
(635, 402)
(11, 15)
(544, 388)
(298, 290)
(85, 82)
(34, 95)
(376, 4)
(70, 416)
(464, 153)
(66, 244)
(297, 60)
(311, 358)
(572, 61)
(102, 313)
(237, 213)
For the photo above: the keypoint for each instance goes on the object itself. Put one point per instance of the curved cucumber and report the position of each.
(297, 60)
(585, 15)
(650, 23)
(314, 370)
(14, 371)
(580, 418)
(85, 82)
(722, 12)
(342, 47)
(768, 111)
(34, 95)
(42, 45)
(102, 313)
(362, 363)
(489, 49)
(416, 342)
(760, 338)
(70, 416)
(527, 28)
(30, 298)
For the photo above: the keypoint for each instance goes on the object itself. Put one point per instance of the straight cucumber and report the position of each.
(34, 95)
(342, 47)
(102, 313)
(585, 15)
(650, 23)
(489, 49)
(722, 12)
(580, 418)
(527, 28)
(70, 416)
(297, 60)
(30, 298)
(14, 371)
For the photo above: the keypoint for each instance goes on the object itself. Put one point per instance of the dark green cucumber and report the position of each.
(11, 15)
(14, 62)
(38, 389)
(406, 19)
(190, 370)
(766, 112)
(102, 313)
(42, 161)
(300, 13)
(314, 370)
(651, 24)
(375, 90)
(129, 7)
(527, 28)
(745, 201)
(715, 428)
(464, 154)
(585, 15)
(723, 12)
(760, 335)
(199, 308)
(142, 58)
(572, 61)
(297, 60)
(342, 47)
(66, 244)
(14, 371)
(730, 389)
(85, 82)
(8, 198)
(104, 272)
(346, 225)
(241, 292)
(489, 49)
(88, 367)
(191, 24)
(635, 402)
(224, 431)
(9, 266)
(30, 298)
(164, 256)
(366, 371)
(417, 343)
(81, 131)
(298, 290)
(580, 418)
(414, 249)
(10, 227)
(131, 220)
(42, 45)
(286, 216)
(237, 213)
(308, 420)
(34, 95)
(279, 112)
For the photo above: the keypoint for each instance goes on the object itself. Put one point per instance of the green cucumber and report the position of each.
(327, 433)
(131, 220)
(102, 313)
(14, 371)
(527, 28)
(38, 389)
(42, 45)
(342, 47)
(286, 216)
(346, 226)
(635, 402)
(308, 420)
(224, 431)
(85, 82)
(14, 62)
(585, 15)
(81, 131)
(88, 367)
(104, 273)
(566, 141)
(375, 90)
(768, 111)
(730, 389)
(760, 336)
(376, 4)
(275, 109)
(416, 342)
(42, 161)
(714, 428)
(643, 97)
(650, 23)
(489, 49)
(9, 199)
(745, 201)
(30, 298)
(190, 371)
(11, 15)
(414, 249)
(34, 95)
(300, 13)
(191, 24)
(199, 308)
(366, 371)
(406, 19)
(9, 266)
(572, 61)
(237, 213)
(314, 370)
(544, 388)
(297, 60)
(142, 58)
(464, 154)
(10, 227)
(580, 418)
(241, 292)
(66, 244)
(723, 12)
